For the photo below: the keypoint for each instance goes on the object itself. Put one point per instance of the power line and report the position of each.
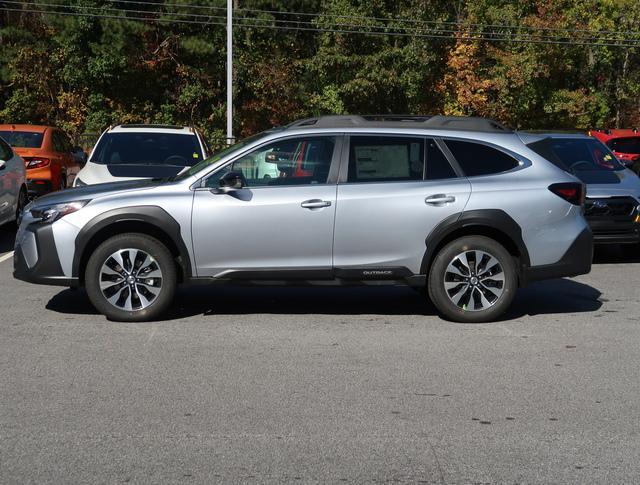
(104, 16)
(348, 26)
(503, 36)
(102, 9)
(384, 19)
(480, 36)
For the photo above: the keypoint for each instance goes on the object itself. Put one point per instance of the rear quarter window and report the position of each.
(478, 159)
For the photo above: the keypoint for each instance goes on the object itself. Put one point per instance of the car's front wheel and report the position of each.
(472, 279)
(131, 278)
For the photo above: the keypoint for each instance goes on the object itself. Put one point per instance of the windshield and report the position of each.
(216, 157)
(625, 145)
(148, 149)
(577, 154)
(23, 139)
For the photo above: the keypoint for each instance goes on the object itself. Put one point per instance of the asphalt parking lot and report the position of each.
(251, 385)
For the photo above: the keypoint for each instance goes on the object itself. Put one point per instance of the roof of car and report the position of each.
(23, 127)
(616, 133)
(528, 137)
(561, 134)
(150, 128)
(458, 123)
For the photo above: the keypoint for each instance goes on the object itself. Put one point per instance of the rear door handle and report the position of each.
(439, 199)
(315, 204)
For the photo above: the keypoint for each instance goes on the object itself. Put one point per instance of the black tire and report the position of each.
(478, 287)
(133, 294)
(63, 181)
(23, 198)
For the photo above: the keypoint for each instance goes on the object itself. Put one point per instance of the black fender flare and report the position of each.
(149, 214)
(493, 219)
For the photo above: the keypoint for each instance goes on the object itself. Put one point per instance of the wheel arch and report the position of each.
(150, 220)
(493, 223)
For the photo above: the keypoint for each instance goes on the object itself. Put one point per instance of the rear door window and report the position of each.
(438, 167)
(479, 159)
(385, 159)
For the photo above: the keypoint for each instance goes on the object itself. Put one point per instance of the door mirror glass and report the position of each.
(232, 181)
(79, 155)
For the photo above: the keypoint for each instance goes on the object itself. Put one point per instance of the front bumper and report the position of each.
(576, 261)
(613, 220)
(35, 259)
(608, 233)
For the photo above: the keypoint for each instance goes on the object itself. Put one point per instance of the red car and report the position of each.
(625, 145)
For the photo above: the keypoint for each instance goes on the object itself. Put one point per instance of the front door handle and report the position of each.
(315, 204)
(439, 199)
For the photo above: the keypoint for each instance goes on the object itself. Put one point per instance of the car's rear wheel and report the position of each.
(131, 278)
(472, 279)
(62, 183)
(23, 198)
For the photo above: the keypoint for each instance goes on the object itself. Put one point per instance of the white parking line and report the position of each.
(5, 257)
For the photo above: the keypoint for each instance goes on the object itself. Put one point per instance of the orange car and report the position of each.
(50, 159)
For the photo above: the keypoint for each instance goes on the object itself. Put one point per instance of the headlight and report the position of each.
(78, 183)
(51, 213)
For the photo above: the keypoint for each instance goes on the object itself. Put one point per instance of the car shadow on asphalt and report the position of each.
(617, 254)
(7, 237)
(554, 296)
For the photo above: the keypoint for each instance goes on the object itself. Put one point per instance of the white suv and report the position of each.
(127, 152)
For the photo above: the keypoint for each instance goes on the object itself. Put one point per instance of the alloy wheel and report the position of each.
(130, 279)
(474, 280)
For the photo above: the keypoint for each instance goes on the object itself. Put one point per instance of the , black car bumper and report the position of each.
(35, 259)
(613, 220)
(576, 261)
(37, 187)
(610, 232)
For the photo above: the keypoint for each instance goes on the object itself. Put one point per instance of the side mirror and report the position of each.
(3, 164)
(79, 155)
(232, 181)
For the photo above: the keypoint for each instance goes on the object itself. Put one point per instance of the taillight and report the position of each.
(36, 162)
(571, 192)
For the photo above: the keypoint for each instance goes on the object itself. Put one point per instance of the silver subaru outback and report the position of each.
(459, 207)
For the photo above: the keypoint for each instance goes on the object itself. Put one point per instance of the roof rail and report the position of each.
(150, 125)
(468, 123)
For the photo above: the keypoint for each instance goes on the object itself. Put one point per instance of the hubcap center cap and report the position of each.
(474, 280)
(131, 279)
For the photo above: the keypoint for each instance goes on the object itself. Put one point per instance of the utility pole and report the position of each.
(229, 71)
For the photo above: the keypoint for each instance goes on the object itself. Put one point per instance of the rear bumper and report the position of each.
(35, 259)
(576, 261)
(38, 187)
